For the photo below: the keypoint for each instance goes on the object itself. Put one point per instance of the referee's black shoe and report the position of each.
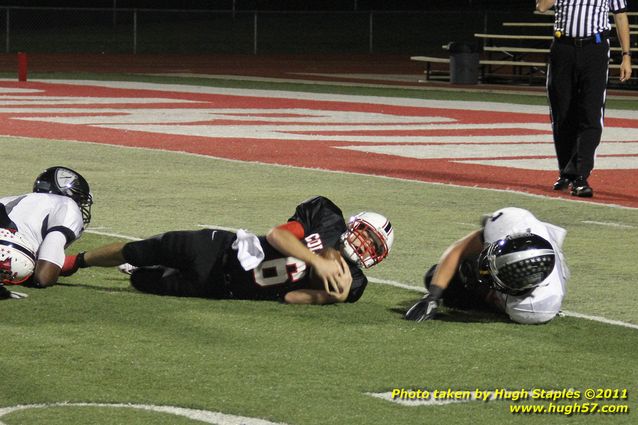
(562, 183)
(581, 188)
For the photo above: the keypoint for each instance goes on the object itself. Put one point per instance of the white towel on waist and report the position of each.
(249, 250)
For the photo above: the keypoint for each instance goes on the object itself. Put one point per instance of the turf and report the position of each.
(93, 339)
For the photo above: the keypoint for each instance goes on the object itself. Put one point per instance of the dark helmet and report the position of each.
(66, 182)
(516, 264)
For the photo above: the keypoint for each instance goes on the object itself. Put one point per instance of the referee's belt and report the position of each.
(581, 41)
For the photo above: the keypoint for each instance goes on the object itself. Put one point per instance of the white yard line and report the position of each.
(204, 416)
(600, 319)
(114, 235)
(608, 224)
(565, 312)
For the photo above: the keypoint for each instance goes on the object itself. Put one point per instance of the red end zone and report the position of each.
(411, 139)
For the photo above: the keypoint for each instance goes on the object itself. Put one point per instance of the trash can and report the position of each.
(464, 63)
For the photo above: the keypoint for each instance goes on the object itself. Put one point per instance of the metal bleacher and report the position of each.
(518, 55)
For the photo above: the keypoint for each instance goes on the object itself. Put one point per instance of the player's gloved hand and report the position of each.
(18, 295)
(424, 309)
(6, 294)
(427, 307)
(72, 263)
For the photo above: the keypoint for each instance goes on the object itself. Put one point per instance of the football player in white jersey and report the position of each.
(49, 219)
(513, 264)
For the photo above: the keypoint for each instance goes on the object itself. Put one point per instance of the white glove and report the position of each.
(18, 295)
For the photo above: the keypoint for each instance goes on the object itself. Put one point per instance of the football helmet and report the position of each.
(516, 264)
(17, 258)
(368, 239)
(66, 182)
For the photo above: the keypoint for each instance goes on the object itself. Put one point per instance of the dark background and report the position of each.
(256, 27)
(328, 5)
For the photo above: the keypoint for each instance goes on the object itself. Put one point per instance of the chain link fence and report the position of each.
(110, 30)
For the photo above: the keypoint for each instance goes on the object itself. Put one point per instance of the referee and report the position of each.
(577, 82)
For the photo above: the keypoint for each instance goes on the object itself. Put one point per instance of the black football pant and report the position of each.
(181, 263)
(576, 87)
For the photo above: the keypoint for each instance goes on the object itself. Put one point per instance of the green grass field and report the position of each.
(92, 339)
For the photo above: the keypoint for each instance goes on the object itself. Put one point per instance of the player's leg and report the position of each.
(105, 256)
(184, 263)
(160, 280)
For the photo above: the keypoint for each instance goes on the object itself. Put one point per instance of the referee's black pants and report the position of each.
(576, 87)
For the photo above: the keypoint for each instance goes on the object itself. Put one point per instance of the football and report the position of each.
(328, 253)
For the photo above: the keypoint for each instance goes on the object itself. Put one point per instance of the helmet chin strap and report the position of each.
(346, 256)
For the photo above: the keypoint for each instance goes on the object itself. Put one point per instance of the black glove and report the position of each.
(6, 294)
(426, 308)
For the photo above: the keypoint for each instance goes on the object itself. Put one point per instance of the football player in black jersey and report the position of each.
(286, 264)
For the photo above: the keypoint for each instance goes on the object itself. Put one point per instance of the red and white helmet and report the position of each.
(368, 239)
(17, 258)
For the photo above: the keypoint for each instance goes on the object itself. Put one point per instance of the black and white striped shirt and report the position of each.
(584, 18)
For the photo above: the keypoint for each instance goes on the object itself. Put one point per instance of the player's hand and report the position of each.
(18, 295)
(5, 294)
(343, 282)
(329, 271)
(424, 309)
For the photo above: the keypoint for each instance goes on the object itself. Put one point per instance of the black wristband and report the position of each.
(80, 261)
(435, 292)
(4, 292)
(626, 54)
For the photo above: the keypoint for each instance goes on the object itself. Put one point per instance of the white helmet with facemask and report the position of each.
(368, 239)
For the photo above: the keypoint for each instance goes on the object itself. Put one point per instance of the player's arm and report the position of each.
(316, 295)
(544, 5)
(64, 226)
(622, 30)
(448, 265)
(50, 259)
(46, 274)
(313, 296)
(286, 240)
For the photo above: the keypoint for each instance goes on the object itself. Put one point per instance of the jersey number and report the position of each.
(279, 271)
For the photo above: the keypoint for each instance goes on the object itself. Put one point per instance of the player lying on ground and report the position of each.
(514, 264)
(40, 225)
(283, 265)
